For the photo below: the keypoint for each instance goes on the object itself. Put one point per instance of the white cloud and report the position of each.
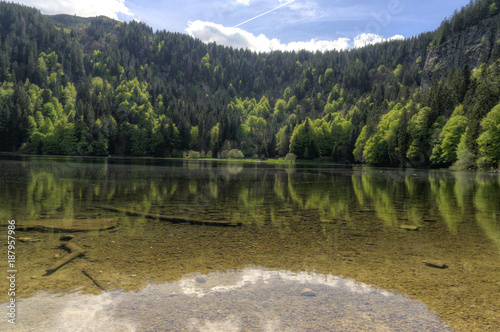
(370, 39)
(209, 32)
(319, 45)
(397, 37)
(87, 8)
(243, 2)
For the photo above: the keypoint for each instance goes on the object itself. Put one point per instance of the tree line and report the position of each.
(74, 86)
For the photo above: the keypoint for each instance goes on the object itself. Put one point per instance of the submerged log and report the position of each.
(72, 246)
(75, 251)
(172, 219)
(91, 277)
(28, 239)
(70, 225)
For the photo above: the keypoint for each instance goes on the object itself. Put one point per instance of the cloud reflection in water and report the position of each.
(251, 299)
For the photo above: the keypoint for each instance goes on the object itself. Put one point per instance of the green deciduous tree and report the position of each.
(489, 140)
(303, 141)
(376, 150)
(214, 138)
(465, 158)
(283, 141)
(194, 139)
(235, 154)
(445, 147)
(361, 144)
(280, 110)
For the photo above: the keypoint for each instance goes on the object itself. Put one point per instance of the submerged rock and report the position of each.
(308, 292)
(201, 280)
(67, 237)
(435, 263)
(410, 227)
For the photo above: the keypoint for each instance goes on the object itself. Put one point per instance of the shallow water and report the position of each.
(326, 221)
(249, 300)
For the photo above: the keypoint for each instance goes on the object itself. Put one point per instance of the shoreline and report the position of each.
(275, 161)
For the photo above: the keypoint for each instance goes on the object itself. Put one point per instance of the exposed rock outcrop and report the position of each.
(471, 47)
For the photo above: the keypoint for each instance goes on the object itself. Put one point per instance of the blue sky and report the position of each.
(273, 24)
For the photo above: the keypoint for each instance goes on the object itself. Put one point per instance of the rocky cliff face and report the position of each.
(471, 47)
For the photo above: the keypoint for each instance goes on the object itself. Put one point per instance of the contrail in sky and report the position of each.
(271, 10)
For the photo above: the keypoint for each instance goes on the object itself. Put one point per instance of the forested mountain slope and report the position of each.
(96, 86)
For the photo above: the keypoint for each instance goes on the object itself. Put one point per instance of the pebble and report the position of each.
(33, 277)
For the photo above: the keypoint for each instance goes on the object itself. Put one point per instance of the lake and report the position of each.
(241, 246)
